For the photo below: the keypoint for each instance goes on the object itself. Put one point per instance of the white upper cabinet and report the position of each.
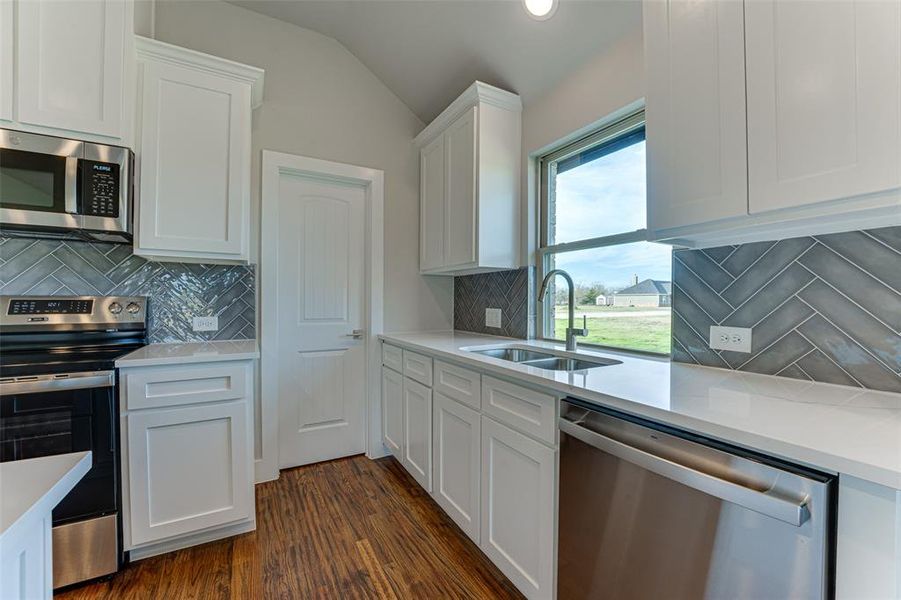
(696, 145)
(7, 60)
(771, 118)
(70, 64)
(194, 155)
(824, 100)
(470, 178)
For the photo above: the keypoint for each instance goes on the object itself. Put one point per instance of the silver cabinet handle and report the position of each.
(356, 334)
(53, 383)
(793, 513)
(71, 185)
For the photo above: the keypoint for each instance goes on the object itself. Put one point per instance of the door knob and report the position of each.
(356, 334)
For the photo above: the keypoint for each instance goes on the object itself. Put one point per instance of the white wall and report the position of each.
(320, 101)
(595, 92)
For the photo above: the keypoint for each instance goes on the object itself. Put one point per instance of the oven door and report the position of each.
(38, 180)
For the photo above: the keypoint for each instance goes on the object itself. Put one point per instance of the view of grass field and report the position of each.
(638, 328)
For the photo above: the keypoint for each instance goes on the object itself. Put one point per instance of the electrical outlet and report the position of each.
(206, 323)
(736, 339)
(493, 317)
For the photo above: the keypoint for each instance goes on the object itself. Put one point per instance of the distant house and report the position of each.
(650, 292)
(603, 300)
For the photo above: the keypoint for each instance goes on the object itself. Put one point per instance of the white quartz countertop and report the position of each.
(190, 352)
(830, 427)
(34, 486)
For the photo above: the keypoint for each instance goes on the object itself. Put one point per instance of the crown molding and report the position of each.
(176, 55)
(477, 93)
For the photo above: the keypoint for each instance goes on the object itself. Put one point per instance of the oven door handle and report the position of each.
(789, 511)
(58, 383)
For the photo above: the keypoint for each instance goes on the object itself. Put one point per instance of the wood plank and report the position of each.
(349, 528)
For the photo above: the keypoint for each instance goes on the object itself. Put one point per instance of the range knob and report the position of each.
(133, 308)
(115, 308)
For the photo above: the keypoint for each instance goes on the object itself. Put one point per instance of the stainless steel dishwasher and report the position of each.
(649, 512)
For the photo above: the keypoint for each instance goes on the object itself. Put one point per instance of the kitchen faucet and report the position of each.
(571, 331)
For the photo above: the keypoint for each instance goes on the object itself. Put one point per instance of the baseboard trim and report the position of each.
(194, 539)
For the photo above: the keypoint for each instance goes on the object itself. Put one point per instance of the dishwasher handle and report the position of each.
(793, 513)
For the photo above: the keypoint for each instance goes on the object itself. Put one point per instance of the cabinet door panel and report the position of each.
(518, 508)
(71, 64)
(696, 142)
(432, 188)
(393, 411)
(457, 442)
(460, 210)
(824, 91)
(418, 432)
(7, 54)
(172, 496)
(195, 162)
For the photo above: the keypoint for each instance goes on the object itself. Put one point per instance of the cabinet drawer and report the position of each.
(392, 357)
(152, 387)
(527, 410)
(458, 383)
(418, 367)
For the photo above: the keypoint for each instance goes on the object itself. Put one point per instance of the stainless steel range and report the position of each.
(58, 395)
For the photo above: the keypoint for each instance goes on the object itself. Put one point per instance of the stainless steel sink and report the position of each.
(545, 360)
(560, 363)
(513, 354)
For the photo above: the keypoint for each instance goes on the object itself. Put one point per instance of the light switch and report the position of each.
(493, 317)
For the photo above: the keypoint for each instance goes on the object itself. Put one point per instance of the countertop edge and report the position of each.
(816, 459)
(56, 492)
(195, 353)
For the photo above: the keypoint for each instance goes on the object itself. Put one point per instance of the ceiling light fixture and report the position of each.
(540, 10)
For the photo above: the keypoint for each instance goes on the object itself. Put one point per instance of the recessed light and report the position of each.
(540, 10)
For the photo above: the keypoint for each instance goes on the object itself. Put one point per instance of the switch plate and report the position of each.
(493, 317)
(735, 339)
(206, 323)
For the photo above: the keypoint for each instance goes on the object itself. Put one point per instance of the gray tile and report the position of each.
(45, 287)
(777, 291)
(794, 372)
(745, 256)
(694, 345)
(779, 256)
(713, 274)
(785, 318)
(91, 255)
(822, 369)
(890, 236)
(780, 355)
(700, 292)
(22, 261)
(880, 300)
(32, 275)
(693, 315)
(873, 257)
(848, 353)
(864, 329)
(13, 246)
(85, 270)
(719, 254)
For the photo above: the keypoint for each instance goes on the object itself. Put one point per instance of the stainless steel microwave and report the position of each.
(54, 187)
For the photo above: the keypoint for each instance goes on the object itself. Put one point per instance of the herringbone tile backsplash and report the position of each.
(506, 290)
(177, 291)
(823, 308)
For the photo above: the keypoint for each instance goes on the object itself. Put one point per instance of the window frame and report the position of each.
(608, 133)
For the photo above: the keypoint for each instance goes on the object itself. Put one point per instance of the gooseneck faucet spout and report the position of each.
(571, 331)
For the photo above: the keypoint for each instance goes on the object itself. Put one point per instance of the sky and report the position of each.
(603, 197)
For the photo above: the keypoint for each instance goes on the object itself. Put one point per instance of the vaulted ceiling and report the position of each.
(428, 51)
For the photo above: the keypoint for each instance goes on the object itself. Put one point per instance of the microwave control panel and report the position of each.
(99, 189)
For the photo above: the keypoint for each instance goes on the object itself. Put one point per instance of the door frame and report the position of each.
(276, 164)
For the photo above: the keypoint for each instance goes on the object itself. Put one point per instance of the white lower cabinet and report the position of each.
(393, 412)
(188, 468)
(518, 482)
(417, 445)
(457, 459)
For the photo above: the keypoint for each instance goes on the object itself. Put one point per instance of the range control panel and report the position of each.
(64, 306)
(72, 312)
(99, 189)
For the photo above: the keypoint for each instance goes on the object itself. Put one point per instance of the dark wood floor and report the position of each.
(350, 528)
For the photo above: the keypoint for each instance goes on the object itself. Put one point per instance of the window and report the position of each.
(593, 219)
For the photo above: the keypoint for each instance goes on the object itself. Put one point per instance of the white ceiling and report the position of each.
(428, 51)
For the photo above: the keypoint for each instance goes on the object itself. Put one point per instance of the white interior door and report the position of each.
(320, 292)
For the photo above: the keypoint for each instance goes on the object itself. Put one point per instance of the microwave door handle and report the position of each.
(71, 185)
(787, 511)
